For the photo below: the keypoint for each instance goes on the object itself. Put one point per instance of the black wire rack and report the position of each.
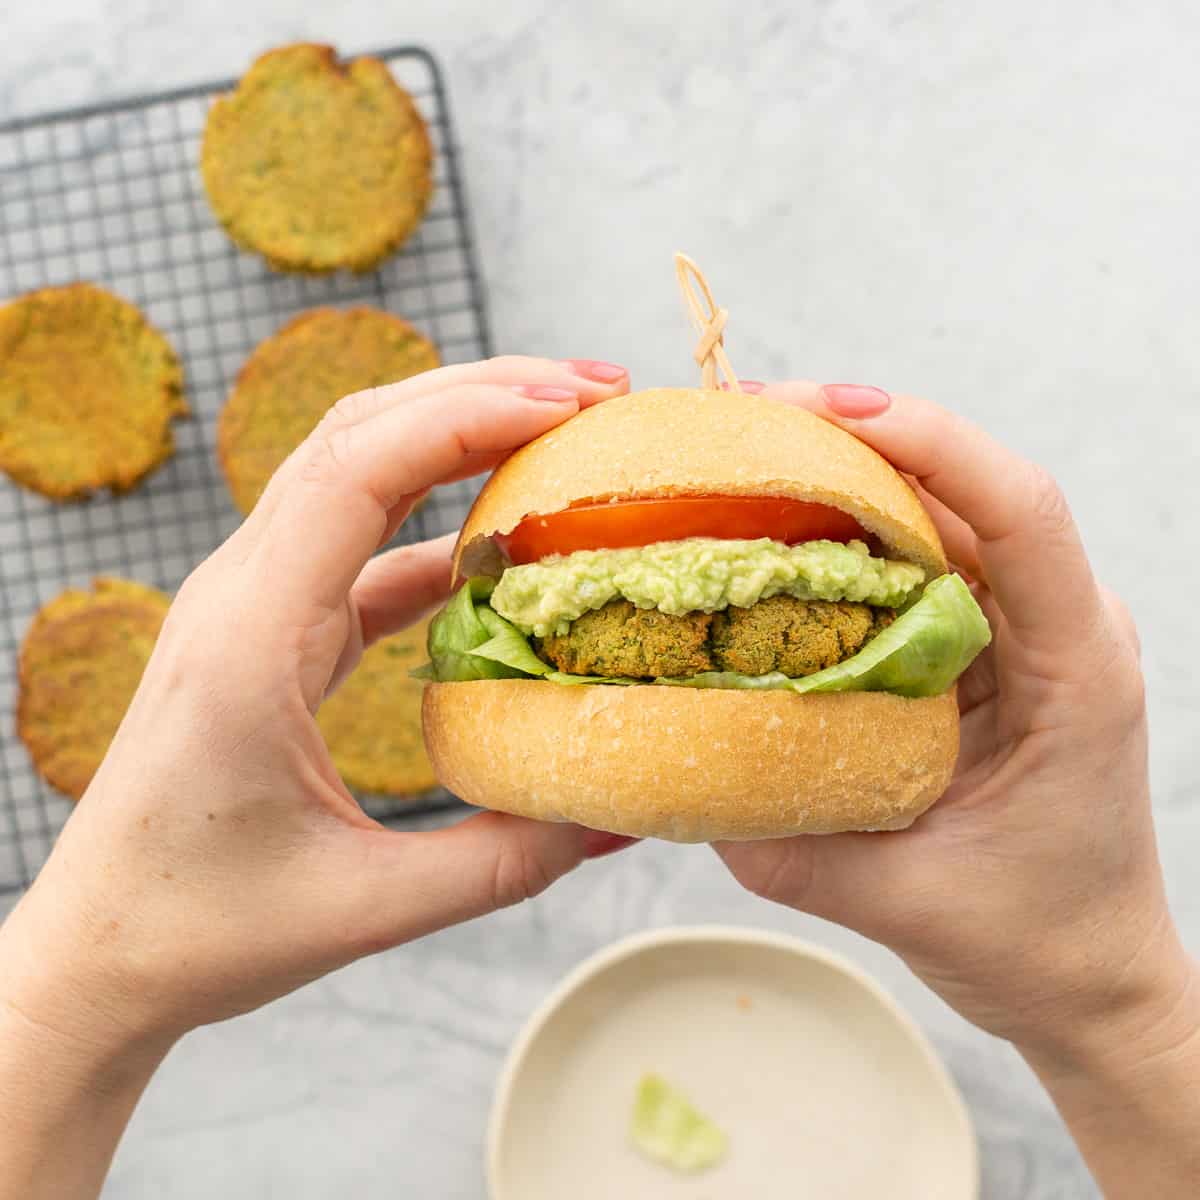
(112, 194)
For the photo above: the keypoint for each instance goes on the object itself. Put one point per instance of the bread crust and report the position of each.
(681, 441)
(691, 765)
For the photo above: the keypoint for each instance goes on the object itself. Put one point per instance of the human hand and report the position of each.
(217, 861)
(1030, 897)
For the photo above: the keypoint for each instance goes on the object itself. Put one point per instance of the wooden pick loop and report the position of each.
(709, 321)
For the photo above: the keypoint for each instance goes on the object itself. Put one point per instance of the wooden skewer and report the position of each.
(709, 321)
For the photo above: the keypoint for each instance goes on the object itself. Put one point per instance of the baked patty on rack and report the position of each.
(80, 664)
(315, 164)
(88, 391)
(292, 379)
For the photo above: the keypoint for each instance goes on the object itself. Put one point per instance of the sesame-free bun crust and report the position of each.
(692, 765)
(680, 441)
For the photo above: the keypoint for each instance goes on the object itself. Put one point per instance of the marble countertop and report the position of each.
(989, 204)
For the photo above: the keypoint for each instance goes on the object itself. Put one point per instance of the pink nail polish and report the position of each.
(536, 391)
(856, 400)
(593, 369)
(750, 386)
(596, 844)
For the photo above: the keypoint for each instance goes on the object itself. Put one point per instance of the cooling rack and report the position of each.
(111, 193)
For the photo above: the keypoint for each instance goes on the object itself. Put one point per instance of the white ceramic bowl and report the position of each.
(824, 1086)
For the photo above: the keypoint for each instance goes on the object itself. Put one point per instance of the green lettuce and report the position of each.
(929, 645)
(458, 631)
(667, 1128)
(506, 645)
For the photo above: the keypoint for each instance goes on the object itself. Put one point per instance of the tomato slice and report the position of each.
(613, 525)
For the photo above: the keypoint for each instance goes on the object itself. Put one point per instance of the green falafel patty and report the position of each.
(779, 634)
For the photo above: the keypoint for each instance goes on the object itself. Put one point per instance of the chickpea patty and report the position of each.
(795, 637)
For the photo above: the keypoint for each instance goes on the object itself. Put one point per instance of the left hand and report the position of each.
(217, 861)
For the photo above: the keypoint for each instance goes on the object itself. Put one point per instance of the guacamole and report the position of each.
(697, 575)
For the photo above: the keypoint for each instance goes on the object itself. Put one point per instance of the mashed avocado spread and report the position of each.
(697, 575)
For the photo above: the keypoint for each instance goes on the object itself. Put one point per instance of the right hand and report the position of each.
(1030, 897)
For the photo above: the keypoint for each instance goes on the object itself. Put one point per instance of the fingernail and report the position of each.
(750, 386)
(596, 844)
(856, 400)
(535, 391)
(593, 369)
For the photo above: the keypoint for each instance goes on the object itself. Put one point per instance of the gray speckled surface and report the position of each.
(991, 204)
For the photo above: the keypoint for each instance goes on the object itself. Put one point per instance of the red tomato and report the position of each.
(610, 526)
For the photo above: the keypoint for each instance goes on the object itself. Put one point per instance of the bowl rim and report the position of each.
(639, 943)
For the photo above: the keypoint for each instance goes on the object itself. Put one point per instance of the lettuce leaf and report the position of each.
(457, 631)
(561, 677)
(507, 645)
(667, 1128)
(929, 645)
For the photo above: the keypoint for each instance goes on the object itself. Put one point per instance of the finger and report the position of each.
(1029, 549)
(590, 379)
(399, 515)
(854, 879)
(1122, 620)
(977, 738)
(593, 380)
(477, 464)
(978, 684)
(958, 538)
(399, 587)
(334, 507)
(410, 884)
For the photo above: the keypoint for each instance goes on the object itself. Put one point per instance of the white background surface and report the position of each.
(992, 204)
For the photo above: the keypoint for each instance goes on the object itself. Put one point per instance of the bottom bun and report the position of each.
(692, 765)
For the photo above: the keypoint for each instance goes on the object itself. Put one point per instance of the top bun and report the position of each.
(685, 441)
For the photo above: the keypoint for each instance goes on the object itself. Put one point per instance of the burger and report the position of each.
(700, 615)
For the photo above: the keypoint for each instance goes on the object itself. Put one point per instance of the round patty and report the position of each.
(372, 723)
(620, 639)
(88, 390)
(294, 377)
(317, 165)
(795, 637)
(80, 664)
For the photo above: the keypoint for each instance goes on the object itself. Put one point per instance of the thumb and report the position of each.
(863, 881)
(412, 884)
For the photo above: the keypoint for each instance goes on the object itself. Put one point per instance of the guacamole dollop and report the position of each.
(697, 575)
